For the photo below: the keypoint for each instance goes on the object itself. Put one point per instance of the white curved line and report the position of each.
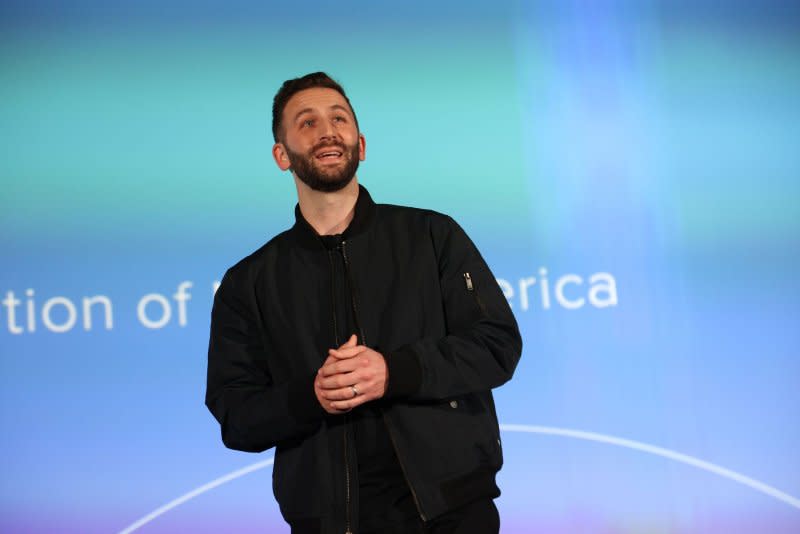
(195, 492)
(528, 429)
(659, 451)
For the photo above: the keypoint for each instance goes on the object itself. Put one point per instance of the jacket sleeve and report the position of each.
(254, 413)
(482, 344)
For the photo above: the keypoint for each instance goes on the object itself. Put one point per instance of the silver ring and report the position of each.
(355, 391)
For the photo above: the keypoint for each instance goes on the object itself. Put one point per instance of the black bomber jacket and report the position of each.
(423, 296)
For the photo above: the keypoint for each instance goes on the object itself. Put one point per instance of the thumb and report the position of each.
(352, 342)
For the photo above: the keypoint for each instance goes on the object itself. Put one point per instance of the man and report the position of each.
(363, 344)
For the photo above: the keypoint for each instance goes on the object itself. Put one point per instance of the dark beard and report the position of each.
(325, 181)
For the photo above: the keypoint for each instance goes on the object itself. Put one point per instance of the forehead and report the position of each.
(315, 99)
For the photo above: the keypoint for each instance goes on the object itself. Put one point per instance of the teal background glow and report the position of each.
(655, 141)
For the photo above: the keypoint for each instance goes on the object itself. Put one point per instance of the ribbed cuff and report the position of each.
(405, 373)
(303, 403)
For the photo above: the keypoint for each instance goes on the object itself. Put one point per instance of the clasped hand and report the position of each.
(351, 375)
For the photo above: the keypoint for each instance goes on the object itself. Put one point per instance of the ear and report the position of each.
(280, 156)
(362, 147)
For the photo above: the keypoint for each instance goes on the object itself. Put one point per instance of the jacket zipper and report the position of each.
(403, 467)
(333, 301)
(352, 292)
(354, 303)
(364, 342)
(348, 529)
(471, 289)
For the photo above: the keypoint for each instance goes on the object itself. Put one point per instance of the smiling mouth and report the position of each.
(326, 155)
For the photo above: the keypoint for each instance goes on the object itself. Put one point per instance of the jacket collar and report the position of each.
(364, 211)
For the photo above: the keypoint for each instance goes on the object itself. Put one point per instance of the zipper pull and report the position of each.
(468, 280)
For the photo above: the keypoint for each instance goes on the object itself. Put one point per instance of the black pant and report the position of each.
(479, 517)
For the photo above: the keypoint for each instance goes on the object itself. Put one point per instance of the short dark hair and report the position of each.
(295, 85)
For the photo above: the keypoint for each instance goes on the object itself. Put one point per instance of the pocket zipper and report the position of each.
(468, 281)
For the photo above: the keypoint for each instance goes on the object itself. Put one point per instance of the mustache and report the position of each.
(328, 144)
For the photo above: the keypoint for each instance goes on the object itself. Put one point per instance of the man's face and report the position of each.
(320, 140)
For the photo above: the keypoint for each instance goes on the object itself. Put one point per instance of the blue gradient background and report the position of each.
(656, 141)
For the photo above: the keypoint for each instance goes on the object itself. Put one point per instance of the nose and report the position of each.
(328, 131)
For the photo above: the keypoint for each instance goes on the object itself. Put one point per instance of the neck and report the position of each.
(327, 213)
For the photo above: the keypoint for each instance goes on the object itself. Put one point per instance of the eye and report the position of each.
(339, 118)
(308, 122)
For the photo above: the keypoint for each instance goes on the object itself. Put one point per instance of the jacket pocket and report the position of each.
(469, 284)
(464, 305)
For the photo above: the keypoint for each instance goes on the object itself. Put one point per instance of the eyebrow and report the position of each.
(309, 110)
(341, 107)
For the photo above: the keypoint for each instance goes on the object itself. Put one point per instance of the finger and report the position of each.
(369, 389)
(330, 409)
(325, 403)
(367, 380)
(328, 361)
(351, 342)
(338, 394)
(347, 405)
(348, 352)
(338, 381)
(338, 367)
